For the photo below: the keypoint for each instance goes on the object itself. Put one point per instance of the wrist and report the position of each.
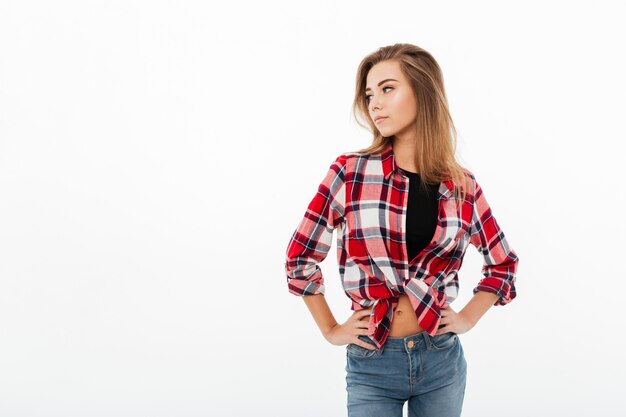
(468, 319)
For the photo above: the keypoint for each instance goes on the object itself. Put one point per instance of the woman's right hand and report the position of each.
(348, 332)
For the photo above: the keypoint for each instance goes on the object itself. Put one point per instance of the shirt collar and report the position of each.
(389, 166)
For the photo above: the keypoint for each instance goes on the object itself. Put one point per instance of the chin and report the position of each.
(387, 132)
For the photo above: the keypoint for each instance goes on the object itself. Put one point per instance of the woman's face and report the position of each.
(388, 94)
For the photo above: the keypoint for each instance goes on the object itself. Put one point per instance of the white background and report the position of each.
(156, 156)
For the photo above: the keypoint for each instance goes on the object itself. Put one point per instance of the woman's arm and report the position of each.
(497, 287)
(500, 260)
(321, 312)
(478, 306)
(312, 239)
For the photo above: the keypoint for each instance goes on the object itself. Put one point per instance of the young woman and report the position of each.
(405, 211)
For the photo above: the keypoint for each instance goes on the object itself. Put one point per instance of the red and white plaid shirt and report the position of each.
(365, 198)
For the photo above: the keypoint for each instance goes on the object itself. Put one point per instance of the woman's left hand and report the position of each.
(452, 321)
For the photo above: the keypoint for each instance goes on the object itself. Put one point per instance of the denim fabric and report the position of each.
(427, 371)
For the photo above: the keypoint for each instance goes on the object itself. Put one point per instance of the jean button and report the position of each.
(411, 343)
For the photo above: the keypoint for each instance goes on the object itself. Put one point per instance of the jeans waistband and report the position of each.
(414, 340)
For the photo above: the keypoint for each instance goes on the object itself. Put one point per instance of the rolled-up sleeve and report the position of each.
(312, 239)
(500, 260)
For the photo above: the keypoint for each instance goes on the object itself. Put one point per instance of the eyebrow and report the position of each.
(383, 81)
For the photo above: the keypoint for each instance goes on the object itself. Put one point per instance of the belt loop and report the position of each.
(426, 337)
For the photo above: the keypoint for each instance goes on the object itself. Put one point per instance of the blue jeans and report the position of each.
(427, 371)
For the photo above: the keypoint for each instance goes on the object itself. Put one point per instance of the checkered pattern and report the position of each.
(364, 197)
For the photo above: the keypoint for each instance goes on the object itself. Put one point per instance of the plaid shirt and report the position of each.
(365, 198)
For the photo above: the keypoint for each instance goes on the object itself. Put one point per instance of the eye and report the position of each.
(367, 97)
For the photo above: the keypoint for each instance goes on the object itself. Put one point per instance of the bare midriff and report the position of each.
(404, 322)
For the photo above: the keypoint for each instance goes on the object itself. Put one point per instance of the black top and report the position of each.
(422, 215)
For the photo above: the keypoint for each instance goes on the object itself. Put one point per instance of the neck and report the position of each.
(404, 154)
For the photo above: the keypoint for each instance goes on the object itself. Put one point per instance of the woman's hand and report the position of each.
(349, 332)
(453, 321)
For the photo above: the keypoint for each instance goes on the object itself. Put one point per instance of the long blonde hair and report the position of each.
(436, 143)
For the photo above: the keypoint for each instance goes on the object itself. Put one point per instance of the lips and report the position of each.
(379, 119)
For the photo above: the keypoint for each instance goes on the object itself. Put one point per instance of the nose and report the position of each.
(375, 103)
